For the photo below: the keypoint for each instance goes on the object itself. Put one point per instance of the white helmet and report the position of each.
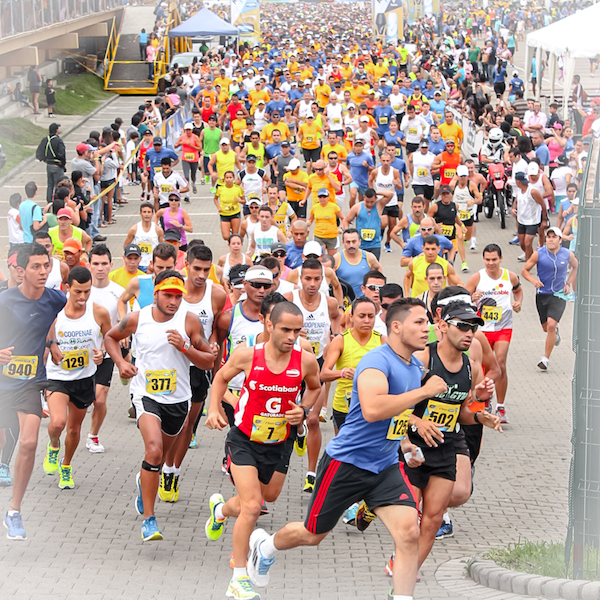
(495, 136)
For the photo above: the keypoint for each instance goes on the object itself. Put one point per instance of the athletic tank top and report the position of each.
(258, 152)
(419, 268)
(353, 274)
(411, 230)
(58, 245)
(227, 266)
(316, 323)
(339, 196)
(54, 280)
(163, 371)
(168, 225)
(448, 170)
(350, 357)
(495, 306)
(265, 398)
(529, 212)
(368, 223)
(385, 183)
(146, 293)
(461, 197)
(422, 168)
(552, 269)
(240, 328)
(225, 162)
(189, 153)
(203, 309)
(147, 241)
(446, 215)
(250, 227)
(264, 240)
(324, 287)
(77, 339)
(211, 140)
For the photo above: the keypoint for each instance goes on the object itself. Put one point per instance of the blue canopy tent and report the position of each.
(204, 23)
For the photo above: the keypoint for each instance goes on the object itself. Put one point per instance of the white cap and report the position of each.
(312, 248)
(224, 141)
(364, 119)
(555, 230)
(462, 171)
(533, 168)
(258, 272)
(575, 201)
(293, 164)
(307, 81)
(188, 126)
(261, 101)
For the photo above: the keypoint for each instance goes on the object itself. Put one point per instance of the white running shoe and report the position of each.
(93, 444)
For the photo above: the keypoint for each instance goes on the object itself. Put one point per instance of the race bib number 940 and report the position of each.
(21, 367)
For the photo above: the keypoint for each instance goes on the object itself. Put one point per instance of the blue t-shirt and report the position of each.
(543, 154)
(499, 76)
(516, 84)
(414, 246)
(294, 255)
(428, 93)
(436, 147)
(382, 115)
(360, 443)
(29, 211)
(25, 326)
(359, 172)
(399, 164)
(155, 157)
(438, 107)
(278, 105)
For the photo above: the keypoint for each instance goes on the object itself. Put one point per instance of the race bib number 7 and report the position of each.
(269, 430)
(161, 382)
(21, 367)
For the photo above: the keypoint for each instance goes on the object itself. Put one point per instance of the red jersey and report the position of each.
(265, 398)
(448, 168)
(206, 112)
(232, 110)
(142, 154)
(340, 178)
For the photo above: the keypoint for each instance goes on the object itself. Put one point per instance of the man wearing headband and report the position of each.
(166, 340)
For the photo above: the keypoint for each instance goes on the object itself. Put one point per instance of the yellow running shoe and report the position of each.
(300, 441)
(175, 488)
(66, 477)
(165, 488)
(214, 527)
(51, 461)
(364, 517)
(309, 484)
(241, 588)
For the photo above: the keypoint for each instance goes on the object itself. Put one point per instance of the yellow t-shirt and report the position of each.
(122, 277)
(358, 93)
(294, 195)
(254, 96)
(238, 127)
(323, 92)
(325, 222)
(419, 267)
(267, 132)
(310, 133)
(315, 183)
(228, 196)
(381, 71)
(453, 132)
(224, 162)
(337, 148)
(346, 72)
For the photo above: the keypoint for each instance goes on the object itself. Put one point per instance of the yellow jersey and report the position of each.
(419, 266)
(228, 199)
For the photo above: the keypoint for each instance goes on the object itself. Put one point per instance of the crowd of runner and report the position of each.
(308, 144)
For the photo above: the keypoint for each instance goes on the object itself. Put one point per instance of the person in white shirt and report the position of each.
(397, 100)
(333, 112)
(166, 181)
(414, 129)
(15, 233)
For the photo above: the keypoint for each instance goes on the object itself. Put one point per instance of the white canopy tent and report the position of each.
(573, 37)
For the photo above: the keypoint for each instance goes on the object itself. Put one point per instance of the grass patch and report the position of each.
(545, 559)
(19, 138)
(81, 94)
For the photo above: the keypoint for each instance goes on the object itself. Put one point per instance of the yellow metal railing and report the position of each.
(111, 52)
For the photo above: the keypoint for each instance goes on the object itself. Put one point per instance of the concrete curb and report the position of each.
(488, 573)
(17, 169)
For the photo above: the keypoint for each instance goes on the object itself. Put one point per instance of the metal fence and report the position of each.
(22, 16)
(583, 536)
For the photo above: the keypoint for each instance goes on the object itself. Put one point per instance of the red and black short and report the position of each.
(341, 484)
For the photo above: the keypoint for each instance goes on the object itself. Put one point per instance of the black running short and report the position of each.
(26, 399)
(339, 485)
(527, 229)
(311, 154)
(339, 418)
(171, 416)
(423, 190)
(473, 437)
(240, 451)
(549, 306)
(410, 147)
(81, 392)
(200, 382)
(288, 448)
(460, 444)
(104, 372)
(439, 462)
(392, 211)
(229, 218)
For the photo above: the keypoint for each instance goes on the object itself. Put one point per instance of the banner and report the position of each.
(418, 9)
(388, 20)
(245, 15)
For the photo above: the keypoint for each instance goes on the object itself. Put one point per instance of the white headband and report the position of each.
(460, 298)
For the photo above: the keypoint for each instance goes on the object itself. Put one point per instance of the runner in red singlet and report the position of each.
(342, 173)
(445, 164)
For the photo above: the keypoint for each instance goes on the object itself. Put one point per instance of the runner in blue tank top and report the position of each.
(361, 462)
(352, 263)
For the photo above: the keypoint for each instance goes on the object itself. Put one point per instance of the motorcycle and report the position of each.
(497, 193)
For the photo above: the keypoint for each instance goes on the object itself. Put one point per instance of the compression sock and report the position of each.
(267, 547)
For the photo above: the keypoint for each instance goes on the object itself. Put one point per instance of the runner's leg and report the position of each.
(76, 417)
(28, 438)
(435, 501)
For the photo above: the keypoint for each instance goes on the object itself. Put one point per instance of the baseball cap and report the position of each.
(175, 193)
(437, 93)
(285, 143)
(261, 101)
(277, 247)
(359, 141)
(258, 272)
(64, 212)
(533, 168)
(224, 141)
(424, 143)
(172, 235)
(171, 284)
(251, 158)
(522, 177)
(72, 245)
(188, 126)
(254, 200)
(293, 165)
(557, 126)
(157, 140)
(323, 193)
(312, 248)
(364, 119)
(462, 171)
(460, 310)
(83, 147)
(275, 112)
(445, 189)
(555, 230)
(132, 249)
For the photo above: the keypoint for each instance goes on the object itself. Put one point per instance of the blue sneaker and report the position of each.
(193, 442)
(139, 503)
(445, 531)
(150, 530)
(350, 515)
(514, 241)
(5, 478)
(14, 524)
(258, 565)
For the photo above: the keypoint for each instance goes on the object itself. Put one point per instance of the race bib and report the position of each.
(447, 230)
(59, 254)
(75, 360)
(396, 108)
(367, 235)
(145, 247)
(157, 170)
(398, 151)
(443, 414)
(161, 382)
(350, 135)
(21, 367)
(412, 131)
(399, 425)
(228, 208)
(383, 120)
(464, 215)
(315, 347)
(189, 157)
(309, 138)
(165, 188)
(491, 314)
(337, 121)
(449, 173)
(422, 172)
(269, 430)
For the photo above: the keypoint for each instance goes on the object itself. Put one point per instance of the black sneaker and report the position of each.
(100, 238)
(186, 199)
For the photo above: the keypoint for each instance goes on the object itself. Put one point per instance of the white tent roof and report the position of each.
(575, 36)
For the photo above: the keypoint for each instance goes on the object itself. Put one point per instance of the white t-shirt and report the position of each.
(559, 179)
(15, 233)
(108, 297)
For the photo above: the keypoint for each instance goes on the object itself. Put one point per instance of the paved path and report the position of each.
(85, 543)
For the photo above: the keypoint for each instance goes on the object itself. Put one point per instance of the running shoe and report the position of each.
(150, 530)
(300, 442)
(93, 444)
(5, 478)
(543, 364)
(206, 178)
(65, 481)
(309, 484)
(175, 488)
(51, 461)
(241, 588)
(501, 412)
(14, 524)
(186, 198)
(350, 515)
(264, 509)
(131, 412)
(389, 567)
(224, 465)
(214, 527)
(387, 248)
(193, 443)
(194, 187)
(45, 409)
(165, 488)
(445, 531)
(323, 414)
(514, 241)
(258, 565)
(139, 502)
(488, 406)
(465, 267)
(213, 190)
(364, 517)
(558, 338)
(473, 245)
(522, 257)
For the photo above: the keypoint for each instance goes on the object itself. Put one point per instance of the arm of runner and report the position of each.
(130, 236)
(453, 278)
(572, 279)
(126, 327)
(334, 282)
(310, 370)
(373, 262)
(408, 278)
(334, 351)
(101, 317)
(352, 214)
(533, 259)
(334, 314)
(517, 291)
(131, 291)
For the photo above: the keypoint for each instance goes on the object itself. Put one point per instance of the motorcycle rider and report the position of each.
(495, 148)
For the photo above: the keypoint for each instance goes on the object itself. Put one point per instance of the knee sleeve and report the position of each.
(148, 467)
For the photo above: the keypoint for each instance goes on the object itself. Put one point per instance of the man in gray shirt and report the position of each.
(88, 163)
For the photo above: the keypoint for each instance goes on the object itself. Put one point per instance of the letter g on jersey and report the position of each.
(273, 405)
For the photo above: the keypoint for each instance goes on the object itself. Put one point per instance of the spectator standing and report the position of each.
(50, 98)
(51, 151)
(35, 83)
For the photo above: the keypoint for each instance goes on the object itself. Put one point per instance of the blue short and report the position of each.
(361, 190)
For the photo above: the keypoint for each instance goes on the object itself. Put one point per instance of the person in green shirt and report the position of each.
(474, 57)
(210, 138)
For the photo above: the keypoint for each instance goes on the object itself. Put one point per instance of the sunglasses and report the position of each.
(174, 199)
(279, 255)
(259, 284)
(464, 325)
(374, 287)
(321, 169)
(426, 228)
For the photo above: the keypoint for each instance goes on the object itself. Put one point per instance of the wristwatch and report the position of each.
(50, 342)
(306, 411)
(186, 347)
